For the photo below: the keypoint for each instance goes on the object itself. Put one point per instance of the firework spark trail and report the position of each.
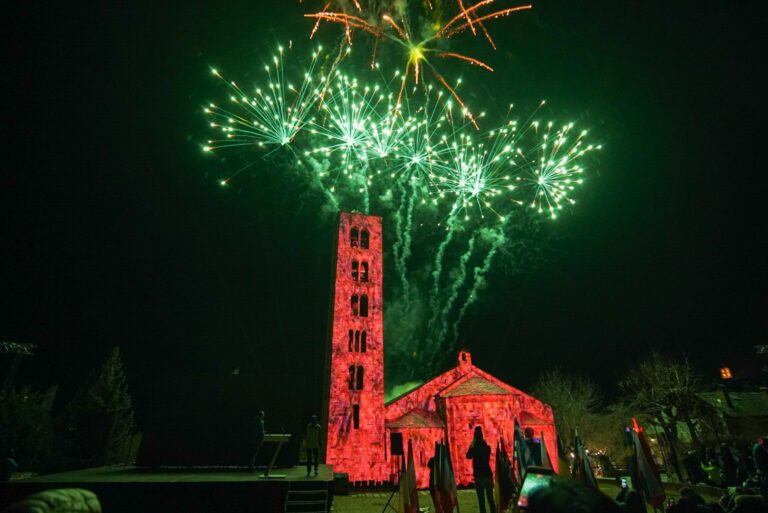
(418, 50)
(272, 116)
(458, 282)
(479, 278)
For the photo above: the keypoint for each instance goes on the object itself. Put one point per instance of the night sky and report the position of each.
(116, 232)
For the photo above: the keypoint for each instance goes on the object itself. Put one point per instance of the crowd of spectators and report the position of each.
(741, 472)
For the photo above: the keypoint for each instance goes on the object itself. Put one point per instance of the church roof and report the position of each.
(417, 418)
(476, 385)
(745, 404)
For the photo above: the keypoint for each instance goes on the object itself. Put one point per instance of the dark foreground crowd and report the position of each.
(569, 496)
(742, 474)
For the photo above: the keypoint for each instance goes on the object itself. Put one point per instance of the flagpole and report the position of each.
(395, 488)
(661, 448)
(448, 455)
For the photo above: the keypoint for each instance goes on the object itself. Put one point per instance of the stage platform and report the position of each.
(230, 489)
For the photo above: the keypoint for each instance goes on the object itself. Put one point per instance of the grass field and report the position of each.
(374, 502)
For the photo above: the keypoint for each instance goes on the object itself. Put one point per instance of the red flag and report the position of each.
(446, 481)
(648, 474)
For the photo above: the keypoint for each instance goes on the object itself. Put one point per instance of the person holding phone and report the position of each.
(480, 454)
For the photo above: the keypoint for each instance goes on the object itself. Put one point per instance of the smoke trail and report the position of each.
(497, 237)
(458, 281)
(366, 192)
(434, 300)
(407, 239)
(397, 247)
(318, 169)
(433, 343)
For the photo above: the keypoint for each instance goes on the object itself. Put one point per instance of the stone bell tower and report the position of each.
(354, 406)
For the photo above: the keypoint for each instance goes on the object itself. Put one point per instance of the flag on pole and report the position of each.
(434, 479)
(629, 458)
(504, 483)
(523, 456)
(582, 468)
(446, 482)
(403, 490)
(563, 463)
(545, 461)
(647, 472)
(409, 495)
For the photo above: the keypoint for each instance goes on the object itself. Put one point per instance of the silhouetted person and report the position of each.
(534, 446)
(480, 454)
(692, 464)
(312, 442)
(431, 465)
(633, 502)
(727, 464)
(712, 469)
(257, 440)
(9, 466)
(567, 496)
(760, 459)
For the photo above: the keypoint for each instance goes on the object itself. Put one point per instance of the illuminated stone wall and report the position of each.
(465, 397)
(446, 408)
(355, 434)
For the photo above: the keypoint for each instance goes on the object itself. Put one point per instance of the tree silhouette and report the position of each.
(99, 421)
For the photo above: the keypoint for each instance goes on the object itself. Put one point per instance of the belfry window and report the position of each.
(363, 271)
(356, 416)
(356, 305)
(354, 237)
(350, 340)
(356, 377)
(355, 269)
(357, 341)
(364, 239)
(363, 341)
(363, 305)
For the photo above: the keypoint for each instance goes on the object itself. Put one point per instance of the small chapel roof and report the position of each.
(417, 418)
(476, 385)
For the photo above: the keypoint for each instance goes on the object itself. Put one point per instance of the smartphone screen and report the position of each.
(531, 483)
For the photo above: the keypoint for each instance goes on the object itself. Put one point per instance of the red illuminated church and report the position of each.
(361, 427)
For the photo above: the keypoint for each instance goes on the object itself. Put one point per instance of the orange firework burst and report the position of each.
(393, 27)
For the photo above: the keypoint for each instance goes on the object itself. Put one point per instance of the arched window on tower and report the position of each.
(351, 377)
(354, 237)
(355, 268)
(363, 341)
(356, 305)
(363, 305)
(364, 238)
(357, 341)
(356, 416)
(359, 383)
(350, 340)
(363, 271)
